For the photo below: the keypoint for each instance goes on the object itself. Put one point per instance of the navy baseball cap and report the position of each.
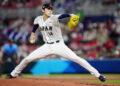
(47, 5)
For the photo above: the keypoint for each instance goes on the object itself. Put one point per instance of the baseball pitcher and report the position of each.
(50, 28)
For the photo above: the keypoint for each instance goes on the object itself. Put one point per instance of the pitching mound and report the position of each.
(49, 81)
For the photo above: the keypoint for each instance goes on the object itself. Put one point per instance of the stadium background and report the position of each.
(96, 37)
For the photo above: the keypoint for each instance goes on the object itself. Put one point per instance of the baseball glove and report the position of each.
(73, 22)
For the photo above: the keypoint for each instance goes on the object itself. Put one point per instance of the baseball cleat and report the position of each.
(102, 78)
(9, 76)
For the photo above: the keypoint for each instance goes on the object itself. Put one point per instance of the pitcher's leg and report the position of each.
(64, 51)
(35, 55)
(86, 65)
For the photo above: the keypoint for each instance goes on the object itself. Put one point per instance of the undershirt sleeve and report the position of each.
(35, 27)
(64, 15)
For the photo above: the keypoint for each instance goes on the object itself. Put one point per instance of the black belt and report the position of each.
(53, 42)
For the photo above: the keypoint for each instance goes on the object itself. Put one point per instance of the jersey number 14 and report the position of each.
(50, 33)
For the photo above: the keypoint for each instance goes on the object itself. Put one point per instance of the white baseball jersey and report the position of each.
(50, 28)
(51, 33)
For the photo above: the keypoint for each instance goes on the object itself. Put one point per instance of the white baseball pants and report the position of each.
(59, 49)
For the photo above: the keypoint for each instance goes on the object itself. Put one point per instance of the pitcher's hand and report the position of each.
(32, 38)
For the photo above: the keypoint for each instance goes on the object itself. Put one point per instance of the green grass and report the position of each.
(73, 75)
(111, 75)
(58, 75)
(69, 75)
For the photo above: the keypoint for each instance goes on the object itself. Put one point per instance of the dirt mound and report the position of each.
(48, 81)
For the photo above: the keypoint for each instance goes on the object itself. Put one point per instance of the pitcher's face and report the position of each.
(47, 11)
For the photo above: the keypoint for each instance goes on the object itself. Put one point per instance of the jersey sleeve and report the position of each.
(57, 16)
(55, 19)
(36, 20)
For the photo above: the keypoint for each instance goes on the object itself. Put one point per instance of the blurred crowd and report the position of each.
(90, 40)
(16, 4)
(98, 40)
